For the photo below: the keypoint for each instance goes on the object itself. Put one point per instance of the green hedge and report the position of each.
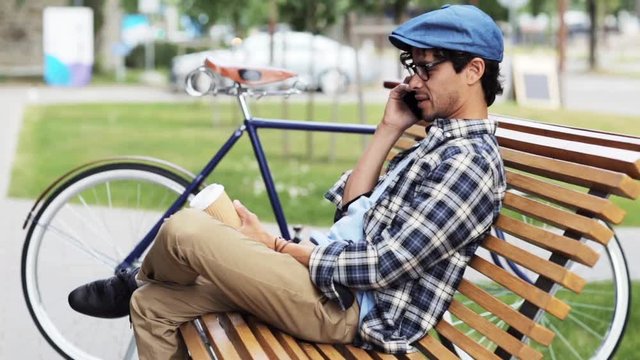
(164, 52)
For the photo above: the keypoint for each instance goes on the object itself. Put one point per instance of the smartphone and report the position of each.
(410, 99)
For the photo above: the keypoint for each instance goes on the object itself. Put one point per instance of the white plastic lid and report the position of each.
(205, 197)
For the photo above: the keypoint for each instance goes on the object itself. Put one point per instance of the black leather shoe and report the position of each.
(108, 298)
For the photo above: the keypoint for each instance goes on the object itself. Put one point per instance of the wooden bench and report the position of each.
(559, 176)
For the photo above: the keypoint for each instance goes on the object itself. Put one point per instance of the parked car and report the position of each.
(321, 63)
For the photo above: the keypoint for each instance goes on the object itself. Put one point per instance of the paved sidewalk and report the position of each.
(18, 336)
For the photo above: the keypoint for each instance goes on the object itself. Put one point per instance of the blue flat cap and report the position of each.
(452, 27)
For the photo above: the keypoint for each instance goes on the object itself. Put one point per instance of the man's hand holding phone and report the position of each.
(402, 109)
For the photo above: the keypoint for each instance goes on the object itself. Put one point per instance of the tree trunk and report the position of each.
(562, 46)
(593, 34)
(273, 19)
(399, 9)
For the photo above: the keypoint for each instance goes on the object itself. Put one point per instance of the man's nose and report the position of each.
(415, 82)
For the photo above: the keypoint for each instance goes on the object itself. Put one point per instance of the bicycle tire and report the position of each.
(52, 234)
(596, 324)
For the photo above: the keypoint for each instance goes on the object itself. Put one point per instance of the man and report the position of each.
(419, 235)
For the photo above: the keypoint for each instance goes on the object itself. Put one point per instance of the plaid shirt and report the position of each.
(419, 235)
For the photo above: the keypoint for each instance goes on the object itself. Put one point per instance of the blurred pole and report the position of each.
(593, 34)
(273, 17)
(285, 103)
(149, 47)
(310, 97)
(149, 55)
(335, 114)
(273, 20)
(513, 26)
(562, 47)
(351, 18)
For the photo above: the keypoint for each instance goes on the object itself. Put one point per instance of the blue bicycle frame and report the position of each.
(251, 126)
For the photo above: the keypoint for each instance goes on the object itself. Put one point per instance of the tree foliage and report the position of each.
(318, 15)
(312, 15)
(242, 14)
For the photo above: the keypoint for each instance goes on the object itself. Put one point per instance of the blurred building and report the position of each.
(21, 49)
(21, 36)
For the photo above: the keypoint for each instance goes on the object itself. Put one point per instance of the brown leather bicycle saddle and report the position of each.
(250, 75)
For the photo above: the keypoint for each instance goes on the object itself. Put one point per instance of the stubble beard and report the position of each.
(444, 112)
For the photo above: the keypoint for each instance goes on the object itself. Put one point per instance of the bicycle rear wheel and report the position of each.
(598, 317)
(81, 233)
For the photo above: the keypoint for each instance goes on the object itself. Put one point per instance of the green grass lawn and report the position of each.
(56, 138)
(628, 349)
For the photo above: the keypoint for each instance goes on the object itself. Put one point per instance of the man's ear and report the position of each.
(474, 70)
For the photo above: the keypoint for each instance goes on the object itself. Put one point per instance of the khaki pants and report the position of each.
(198, 265)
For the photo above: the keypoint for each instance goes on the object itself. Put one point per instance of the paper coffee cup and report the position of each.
(214, 201)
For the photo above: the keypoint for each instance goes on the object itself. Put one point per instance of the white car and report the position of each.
(319, 61)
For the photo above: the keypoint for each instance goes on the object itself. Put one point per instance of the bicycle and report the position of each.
(102, 216)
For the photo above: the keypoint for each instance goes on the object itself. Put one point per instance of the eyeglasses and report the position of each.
(421, 70)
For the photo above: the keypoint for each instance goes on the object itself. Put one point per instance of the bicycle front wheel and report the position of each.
(81, 233)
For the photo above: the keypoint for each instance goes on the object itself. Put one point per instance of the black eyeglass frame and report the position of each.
(421, 70)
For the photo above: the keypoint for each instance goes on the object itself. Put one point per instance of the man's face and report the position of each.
(442, 95)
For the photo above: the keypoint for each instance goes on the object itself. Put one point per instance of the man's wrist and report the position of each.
(389, 130)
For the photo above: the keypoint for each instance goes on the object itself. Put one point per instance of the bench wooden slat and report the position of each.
(411, 356)
(291, 346)
(382, 356)
(329, 351)
(220, 342)
(404, 143)
(417, 131)
(464, 342)
(197, 348)
(391, 155)
(433, 347)
(356, 352)
(573, 147)
(617, 160)
(555, 272)
(268, 341)
(595, 137)
(240, 334)
(590, 228)
(505, 312)
(492, 332)
(311, 351)
(603, 208)
(586, 176)
(574, 250)
(525, 290)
